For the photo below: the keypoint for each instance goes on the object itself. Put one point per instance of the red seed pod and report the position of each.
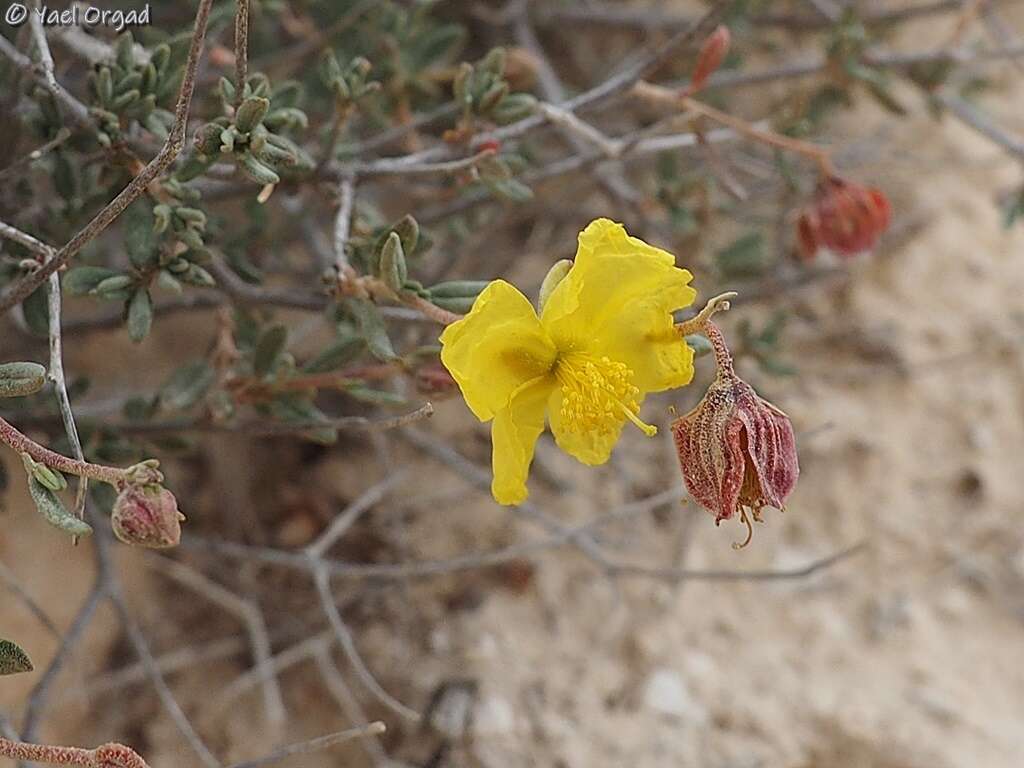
(844, 217)
(709, 58)
(736, 450)
(491, 145)
(147, 516)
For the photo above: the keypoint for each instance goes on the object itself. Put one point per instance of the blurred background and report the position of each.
(607, 622)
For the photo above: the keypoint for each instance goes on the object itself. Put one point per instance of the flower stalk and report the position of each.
(661, 95)
(22, 444)
(111, 755)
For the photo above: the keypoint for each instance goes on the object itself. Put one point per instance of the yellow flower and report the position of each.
(604, 339)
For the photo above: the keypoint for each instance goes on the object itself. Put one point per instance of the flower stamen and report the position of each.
(597, 393)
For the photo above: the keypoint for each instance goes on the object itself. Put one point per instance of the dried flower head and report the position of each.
(736, 450)
(147, 516)
(844, 217)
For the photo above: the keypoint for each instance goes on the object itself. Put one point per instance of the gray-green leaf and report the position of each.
(268, 349)
(53, 511)
(81, 280)
(140, 315)
(186, 385)
(21, 379)
(371, 327)
(13, 659)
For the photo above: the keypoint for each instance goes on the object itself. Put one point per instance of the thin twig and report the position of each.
(60, 386)
(659, 94)
(11, 580)
(39, 152)
(163, 692)
(40, 693)
(245, 610)
(78, 112)
(321, 576)
(315, 745)
(241, 48)
(982, 123)
(343, 224)
(339, 689)
(616, 15)
(348, 516)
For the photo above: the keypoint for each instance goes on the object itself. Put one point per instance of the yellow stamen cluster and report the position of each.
(596, 394)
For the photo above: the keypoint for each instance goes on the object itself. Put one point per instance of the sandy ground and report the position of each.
(910, 411)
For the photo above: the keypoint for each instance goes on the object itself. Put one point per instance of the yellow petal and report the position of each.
(514, 434)
(588, 446)
(496, 348)
(646, 341)
(617, 301)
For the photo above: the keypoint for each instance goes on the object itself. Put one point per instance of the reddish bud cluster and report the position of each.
(737, 451)
(844, 217)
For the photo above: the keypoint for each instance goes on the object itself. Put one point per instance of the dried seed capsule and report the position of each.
(844, 217)
(737, 451)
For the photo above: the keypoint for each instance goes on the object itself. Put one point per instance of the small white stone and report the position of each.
(493, 716)
(666, 693)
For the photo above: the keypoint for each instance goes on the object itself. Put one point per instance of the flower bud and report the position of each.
(147, 516)
(709, 58)
(844, 217)
(736, 450)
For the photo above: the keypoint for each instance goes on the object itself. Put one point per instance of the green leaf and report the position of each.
(53, 511)
(251, 113)
(47, 477)
(375, 396)
(371, 327)
(186, 386)
(743, 257)
(513, 108)
(1013, 209)
(13, 659)
(82, 280)
(458, 289)
(139, 408)
(511, 189)
(458, 304)
(299, 409)
(268, 349)
(37, 311)
(21, 379)
(140, 237)
(140, 315)
(340, 352)
(257, 171)
(393, 270)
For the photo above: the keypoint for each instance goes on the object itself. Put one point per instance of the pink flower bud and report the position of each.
(709, 58)
(147, 516)
(844, 217)
(737, 451)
